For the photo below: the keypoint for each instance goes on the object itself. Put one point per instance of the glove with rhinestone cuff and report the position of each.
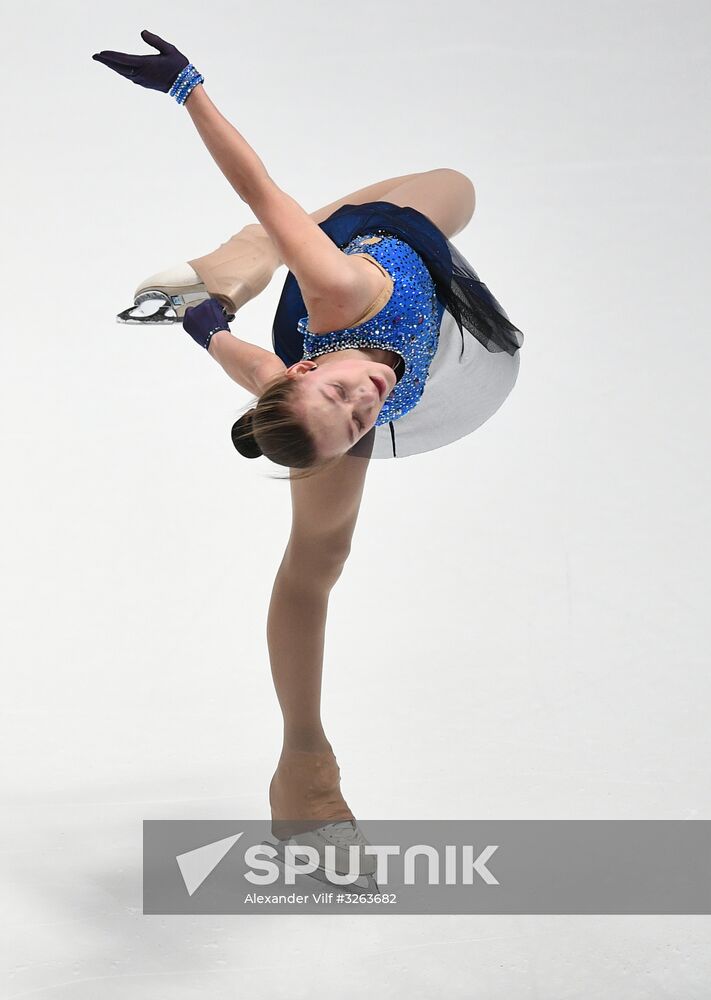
(202, 321)
(170, 71)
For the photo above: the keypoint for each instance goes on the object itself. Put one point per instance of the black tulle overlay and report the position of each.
(458, 286)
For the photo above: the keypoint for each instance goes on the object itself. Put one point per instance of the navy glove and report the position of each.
(155, 72)
(204, 320)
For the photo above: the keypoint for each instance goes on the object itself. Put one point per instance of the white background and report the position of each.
(522, 628)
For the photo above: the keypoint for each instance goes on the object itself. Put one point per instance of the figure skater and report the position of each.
(366, 364)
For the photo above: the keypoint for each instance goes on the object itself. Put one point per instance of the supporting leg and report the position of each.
(305, 789)
(306, 785)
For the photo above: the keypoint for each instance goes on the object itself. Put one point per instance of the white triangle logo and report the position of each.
(196, 865)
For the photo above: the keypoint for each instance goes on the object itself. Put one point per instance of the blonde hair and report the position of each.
(271, 427)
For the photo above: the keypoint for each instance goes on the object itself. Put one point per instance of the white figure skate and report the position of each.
(340, 836)
(233, 274)
(164, 297)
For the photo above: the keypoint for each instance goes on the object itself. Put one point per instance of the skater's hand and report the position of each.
(204, 320)
(155, 72)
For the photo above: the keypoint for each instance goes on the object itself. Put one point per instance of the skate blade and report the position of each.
(150, 308)
(357, 887)
(149, 312)
(158, 309)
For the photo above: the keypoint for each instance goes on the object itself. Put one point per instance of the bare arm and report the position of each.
(321, 268)
(230, 150)
(248, 365)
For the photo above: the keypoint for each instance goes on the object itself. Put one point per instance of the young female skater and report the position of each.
(366, 363)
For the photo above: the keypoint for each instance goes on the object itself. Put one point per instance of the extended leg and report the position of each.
(444, 195)
(243, 266)
(234, 273)
(237, 271)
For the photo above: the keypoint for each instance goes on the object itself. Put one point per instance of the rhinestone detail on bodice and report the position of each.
(408, 323)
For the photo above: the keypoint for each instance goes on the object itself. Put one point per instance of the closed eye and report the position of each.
(359, 425)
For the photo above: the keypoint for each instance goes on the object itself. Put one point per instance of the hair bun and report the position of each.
(243, 436)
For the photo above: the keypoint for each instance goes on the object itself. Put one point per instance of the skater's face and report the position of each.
(339, 398)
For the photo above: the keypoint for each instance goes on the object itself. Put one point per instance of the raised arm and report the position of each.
(322, 270)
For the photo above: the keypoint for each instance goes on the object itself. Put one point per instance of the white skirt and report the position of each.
(462, 391)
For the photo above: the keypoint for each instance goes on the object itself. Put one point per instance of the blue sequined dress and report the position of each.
(447, 388)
